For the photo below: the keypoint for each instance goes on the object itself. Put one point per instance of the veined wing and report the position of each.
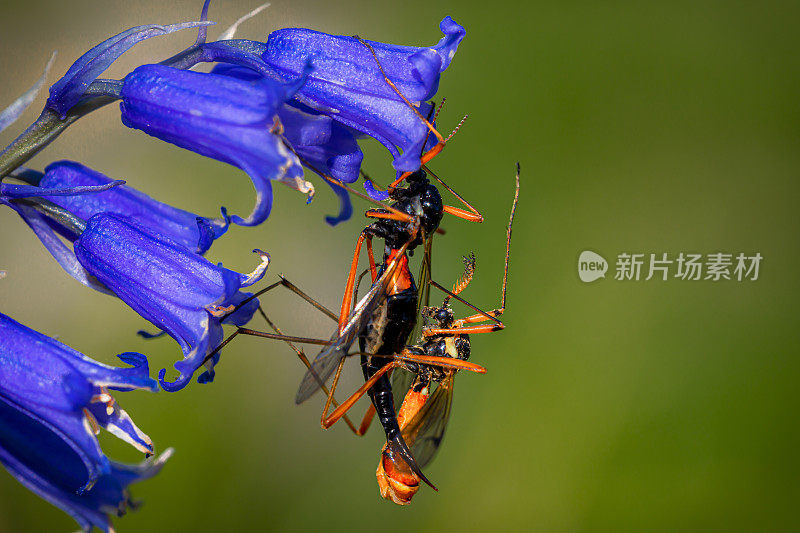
(424, 288)
(327, 360)
(325, 363)
(402, 380)
(424, 433)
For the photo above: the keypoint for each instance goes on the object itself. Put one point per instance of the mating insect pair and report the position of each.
(422, 415)
(413, 414)
(384, 319)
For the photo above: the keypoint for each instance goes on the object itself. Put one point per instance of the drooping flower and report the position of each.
(219, 117)
(178, 291)
(321, 143)
(53, 399)
(346, 83)
(195, 232)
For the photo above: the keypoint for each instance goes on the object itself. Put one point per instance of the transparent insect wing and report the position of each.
(325, 363)
(423, 280)
(402, 380)
(424, 433)
(327, 360)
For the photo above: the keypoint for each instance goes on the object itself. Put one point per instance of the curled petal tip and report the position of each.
(171, 386)
(147, 335)
(135, 359)
(226, 219)
(206, 377)
(262, 254)
(259, 271)
(374, 193)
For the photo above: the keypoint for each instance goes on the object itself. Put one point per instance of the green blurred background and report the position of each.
(640, 127)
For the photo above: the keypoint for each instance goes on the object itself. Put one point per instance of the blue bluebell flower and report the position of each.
(175, 289)
(192, 231)
(321, 143)
(346, 84)
(219, 117)
(168, 284)
(53, 400)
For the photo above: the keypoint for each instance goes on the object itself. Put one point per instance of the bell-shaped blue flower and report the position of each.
(346, 83)
(321, 143)
(180, 292)
(219, 117)
(195, 232)
(53, 400)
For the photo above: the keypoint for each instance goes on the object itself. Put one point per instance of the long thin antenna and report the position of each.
(508, 240)
(446, 186)
(439, 109)
(505, 270)
(432, 119)
(402, 97)
(463, 301)
(458, 127)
